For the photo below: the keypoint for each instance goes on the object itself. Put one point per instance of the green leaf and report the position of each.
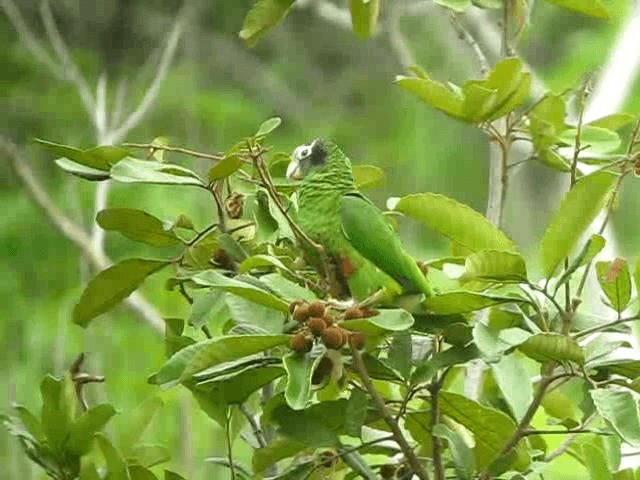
(116, 464)
(287, 289)
(261, 261)
(86, 426)
(380, 370)
(364, 16)
(234, 388)
(448, 358)
(593, 246)
(169, 475)
(593, 8)
(460, 451)
(356, 413)
(299, 369)
(137, 225)
(434, 94)
(399, 356)
(455, 5)
(317, 426)
(225, 167)
(578, 209)
(82, 171)
(249, 316)
(493, 265)
(387, 320)
(619, 409)
(615, 281)
(268, 126)
(514, 381)
(31, 423)
(210, 278)
(511, 84)
(111, 286)
(599, 140)
(138, 472)
(208, 304)
(456, 221)
(138, 421)
(132, 170)
(149, 455)
(463, 302)
(202, 355)
(58, 407)
(368, 176)
(545, 347)
(491, 429)
(88, 470)
(493, 342)
(98, 158)
(276, 450)
(615, 121)
(263, 16)
(595, 462)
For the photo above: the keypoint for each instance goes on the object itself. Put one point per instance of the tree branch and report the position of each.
(68, 66)
(465, 35)
(73, 232)
(398, 436)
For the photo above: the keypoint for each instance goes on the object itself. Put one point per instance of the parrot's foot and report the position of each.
(373, 299)
(342, 304)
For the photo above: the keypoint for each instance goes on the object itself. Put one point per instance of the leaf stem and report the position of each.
(227, 431)
(434, 389)
(398, 436)
(192, 153)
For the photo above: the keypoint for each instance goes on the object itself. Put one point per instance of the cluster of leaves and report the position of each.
(63, 438)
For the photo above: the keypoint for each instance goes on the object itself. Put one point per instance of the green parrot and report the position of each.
(366, 252)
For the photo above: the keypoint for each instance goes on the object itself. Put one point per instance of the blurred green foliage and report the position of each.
(320, 78)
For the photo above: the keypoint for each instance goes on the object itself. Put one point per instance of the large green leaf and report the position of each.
(86, 426)
(578, 209)
(100, 158)
(450, 357)
(493, 265)
(364, 16)
(399, 355)
(491, 429)
(234, 388)
(132, 170)
(116, 464)
(434, 94)
(299, 369)
(493, 342)
(251, 317)
(356, 412)
(137, 225)
(268, 126)
(514, 381)
(263, 15)
(58, 407)
(225, 167)
(460, 451)
(615, 282)
(593, 246)
(202, 355)
(138, 472)
(287, 289)
(206, 305)
(456, 221)
(82, 171)
(367, 176)
(276, 450)
(455, 5)
(620, 409)
(593, 8)
(545, 347)
(597, 139)
(113, 285)
(463, 302)
(595, 462)
(210, 278)
(615, 121)
(387, 320)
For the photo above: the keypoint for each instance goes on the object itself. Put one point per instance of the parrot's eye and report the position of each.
(305, 152)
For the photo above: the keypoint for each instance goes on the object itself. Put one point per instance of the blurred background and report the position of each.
(312, 71)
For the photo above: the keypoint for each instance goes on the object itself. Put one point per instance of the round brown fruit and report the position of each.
(316, 309)
(300, 343)
(332, 338)
(352, 312)
(369, 312)
(357, 339)
(328, 458)
(329, 319)
(301, 313)
(316, 326)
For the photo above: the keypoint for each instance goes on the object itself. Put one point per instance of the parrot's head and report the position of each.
(317, 156)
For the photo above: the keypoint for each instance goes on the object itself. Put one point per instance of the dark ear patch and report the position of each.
(319, 153)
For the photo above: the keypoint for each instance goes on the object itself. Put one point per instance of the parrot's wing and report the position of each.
(371, 235)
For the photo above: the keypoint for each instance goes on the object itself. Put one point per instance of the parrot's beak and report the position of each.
(293, 170)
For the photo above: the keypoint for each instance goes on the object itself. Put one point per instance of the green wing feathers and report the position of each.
(369, 233)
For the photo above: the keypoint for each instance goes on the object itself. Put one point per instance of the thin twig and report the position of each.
(73, 232)
(186, 151)
(257, 431)
(465, 35)
(227, 430)
(398, 436)
(604, 326)
(438, 466)
(564, 446)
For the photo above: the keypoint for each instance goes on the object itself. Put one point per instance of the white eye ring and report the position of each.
(305, 152)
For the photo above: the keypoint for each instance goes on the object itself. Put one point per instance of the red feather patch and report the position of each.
(347, 267)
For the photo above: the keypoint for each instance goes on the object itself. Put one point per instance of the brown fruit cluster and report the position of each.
(221, 259)
(424, 268)
(388, 471)
(234, 204)
(317, 323)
